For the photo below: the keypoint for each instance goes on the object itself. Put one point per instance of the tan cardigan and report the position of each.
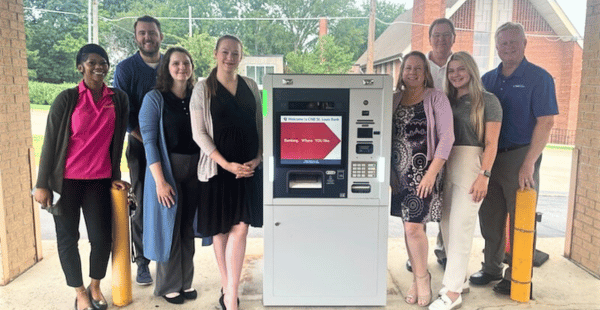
(202, 128)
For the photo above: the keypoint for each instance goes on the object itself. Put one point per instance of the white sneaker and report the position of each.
(444, 303)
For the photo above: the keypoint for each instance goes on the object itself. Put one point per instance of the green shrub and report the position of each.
(45, 93)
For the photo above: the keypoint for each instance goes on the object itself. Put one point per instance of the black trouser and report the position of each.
(136, 160)
(93, 197)
(177, 273)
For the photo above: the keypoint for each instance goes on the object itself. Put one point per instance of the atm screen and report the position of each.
(310, 140)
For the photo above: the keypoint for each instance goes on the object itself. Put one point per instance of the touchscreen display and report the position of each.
(310, 140)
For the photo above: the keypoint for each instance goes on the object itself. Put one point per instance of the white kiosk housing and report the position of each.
(327, 141)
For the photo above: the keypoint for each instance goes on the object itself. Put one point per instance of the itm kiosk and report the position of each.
(326, 143)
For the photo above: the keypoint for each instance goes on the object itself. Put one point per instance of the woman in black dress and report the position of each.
(226, 124)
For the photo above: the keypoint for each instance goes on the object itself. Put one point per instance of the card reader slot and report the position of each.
(305, 180)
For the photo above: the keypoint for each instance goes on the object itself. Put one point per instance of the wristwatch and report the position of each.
(485, 173)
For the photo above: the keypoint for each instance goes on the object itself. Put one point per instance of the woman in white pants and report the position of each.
(477, 119)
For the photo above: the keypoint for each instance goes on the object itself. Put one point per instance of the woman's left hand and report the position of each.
(121, 185)
(425, 187)
(252, 164)
(479, 188)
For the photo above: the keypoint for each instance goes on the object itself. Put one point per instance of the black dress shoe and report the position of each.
(189, 295)
(502, 287)
(408, 266)
(97, 304)
(483, 278)
(442, 261)
(178, 300)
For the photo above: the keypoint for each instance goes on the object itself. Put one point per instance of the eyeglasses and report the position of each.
(444, 35)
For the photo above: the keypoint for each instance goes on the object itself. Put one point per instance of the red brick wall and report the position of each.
(464, 18)
(18, 232)
(583, 244)
(425, 12)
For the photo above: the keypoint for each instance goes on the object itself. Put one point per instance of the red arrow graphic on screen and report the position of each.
(306, 140)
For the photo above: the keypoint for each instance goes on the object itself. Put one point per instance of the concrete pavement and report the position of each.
(558, 284)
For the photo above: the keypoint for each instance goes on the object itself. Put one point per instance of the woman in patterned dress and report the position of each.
(422, 139)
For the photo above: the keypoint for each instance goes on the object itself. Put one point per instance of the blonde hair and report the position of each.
(475, 90)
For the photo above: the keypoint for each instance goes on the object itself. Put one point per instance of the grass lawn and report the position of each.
(44, 107)
(38, 140)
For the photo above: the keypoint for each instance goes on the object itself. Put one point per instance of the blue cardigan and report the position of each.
(158, 220)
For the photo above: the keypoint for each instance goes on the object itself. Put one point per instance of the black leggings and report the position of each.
(93, 197)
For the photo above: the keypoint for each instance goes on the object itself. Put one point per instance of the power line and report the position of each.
(549, 37)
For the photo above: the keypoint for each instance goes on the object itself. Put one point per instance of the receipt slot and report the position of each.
(326, 145)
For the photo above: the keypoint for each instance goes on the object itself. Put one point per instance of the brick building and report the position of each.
(552, 43)
(582, 242)
(20, 238)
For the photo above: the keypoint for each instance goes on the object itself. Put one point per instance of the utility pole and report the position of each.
(190, 19)
(89, 21)
(371, 38)
(95, 19)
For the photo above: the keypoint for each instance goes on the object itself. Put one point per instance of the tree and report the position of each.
(352, 33)
(201, 47)
(51, 55)
(325, 58)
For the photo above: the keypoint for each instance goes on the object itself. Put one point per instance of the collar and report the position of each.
(519, 72)
(82, 88)
(431, 61)
(138, 56)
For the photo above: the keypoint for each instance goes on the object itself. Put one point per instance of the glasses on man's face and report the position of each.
(445, 35)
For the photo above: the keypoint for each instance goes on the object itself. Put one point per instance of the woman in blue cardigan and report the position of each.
(171, 185)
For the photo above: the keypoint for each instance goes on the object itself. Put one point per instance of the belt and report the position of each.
(512, 148)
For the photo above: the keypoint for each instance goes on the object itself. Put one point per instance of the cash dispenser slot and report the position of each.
(305, 180)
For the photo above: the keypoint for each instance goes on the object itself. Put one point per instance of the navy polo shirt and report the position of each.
(525, 95)
(135, 78)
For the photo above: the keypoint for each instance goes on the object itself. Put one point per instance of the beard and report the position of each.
(153, 51)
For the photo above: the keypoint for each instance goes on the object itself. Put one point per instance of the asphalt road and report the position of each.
(552, 201)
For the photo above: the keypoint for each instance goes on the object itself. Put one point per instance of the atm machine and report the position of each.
(327, 147)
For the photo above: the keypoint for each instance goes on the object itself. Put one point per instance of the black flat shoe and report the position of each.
(96, 304)
(189, 295)
(222, 301)
(482, 278)
(178, 300)
(88, 308)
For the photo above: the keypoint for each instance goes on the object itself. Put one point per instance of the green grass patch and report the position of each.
(43, 107)
(38, 141)
(559, 147)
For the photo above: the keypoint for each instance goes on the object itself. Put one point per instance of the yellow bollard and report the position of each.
(121, 266)
(523, 235)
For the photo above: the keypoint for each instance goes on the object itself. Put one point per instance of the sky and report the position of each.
(574, 9)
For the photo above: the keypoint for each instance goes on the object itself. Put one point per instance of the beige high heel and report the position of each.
(424, 300)
(411, 294)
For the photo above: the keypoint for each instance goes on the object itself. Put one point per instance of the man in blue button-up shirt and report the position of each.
(528, 100)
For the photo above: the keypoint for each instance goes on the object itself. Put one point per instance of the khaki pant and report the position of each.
(459, 213)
